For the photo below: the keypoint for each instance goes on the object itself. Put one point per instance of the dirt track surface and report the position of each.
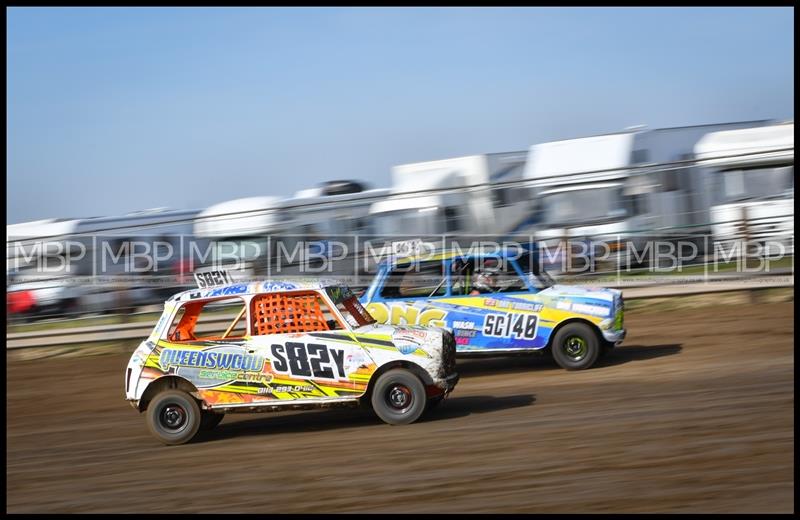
(694, 413)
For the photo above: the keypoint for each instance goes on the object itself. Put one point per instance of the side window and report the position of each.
(461, 271)
(281, 313)
(639, 156)
(635, 204)
(175, 322)
(354, 313)
(209, 320)
(476, 276)
(416, 280)
(508, 279)
(452, 220)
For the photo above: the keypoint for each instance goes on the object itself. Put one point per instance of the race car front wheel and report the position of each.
(398, 397)
(173, 417)
(575, 346)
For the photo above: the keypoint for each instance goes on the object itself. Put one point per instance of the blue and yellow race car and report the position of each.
(498, 302)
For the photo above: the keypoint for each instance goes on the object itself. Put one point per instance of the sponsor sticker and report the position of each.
(278, 286)
(518, 326)
(285, 389)
(212, 278)
(594, 310)
(172, 357)
(355, 361)
(405, 348)
(227, 291)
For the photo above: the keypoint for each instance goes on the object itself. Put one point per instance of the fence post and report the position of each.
(122, 305)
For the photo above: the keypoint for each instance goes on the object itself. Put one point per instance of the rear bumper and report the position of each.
(614, 336)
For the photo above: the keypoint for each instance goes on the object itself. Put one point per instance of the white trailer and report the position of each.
(238, 232)
(38, 263)
(612, 187)
(443, 207)
(750, 181)
(97, 264)
(24, 242)
(327, 229)
(279, 235)
(314, 213)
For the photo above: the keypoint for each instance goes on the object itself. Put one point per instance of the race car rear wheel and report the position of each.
(173, 417)
(398, 397)
(576, 346)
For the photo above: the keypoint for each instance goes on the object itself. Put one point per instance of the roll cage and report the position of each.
(296, 311)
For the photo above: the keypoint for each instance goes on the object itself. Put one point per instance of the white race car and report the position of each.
(274, 345)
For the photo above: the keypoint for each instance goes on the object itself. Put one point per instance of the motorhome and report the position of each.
(338, 210)
(25, 242)
(621, 189)
(750, 180)
(239, 233)
(274, 236)
(428, 198)
(145, 249)
(39, 266)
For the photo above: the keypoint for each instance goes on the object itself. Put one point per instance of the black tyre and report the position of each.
(575, 346)
(173, 417)
(209, 420)
(398, 397)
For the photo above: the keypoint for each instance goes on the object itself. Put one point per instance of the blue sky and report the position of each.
(115, 110)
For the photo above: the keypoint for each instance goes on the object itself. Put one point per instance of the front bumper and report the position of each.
(614, 336)
(447, 384)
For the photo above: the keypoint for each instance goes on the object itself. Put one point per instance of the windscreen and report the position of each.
(351, 309)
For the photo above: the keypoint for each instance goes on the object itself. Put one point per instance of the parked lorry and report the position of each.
(750, 182)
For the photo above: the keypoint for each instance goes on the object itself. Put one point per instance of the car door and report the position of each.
(409, 295)
(309, 353)
(499, 313)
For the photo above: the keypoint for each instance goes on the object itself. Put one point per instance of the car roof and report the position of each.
(256, 287)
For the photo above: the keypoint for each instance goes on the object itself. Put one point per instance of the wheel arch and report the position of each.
(415, 369)
(170, 382)
(598, 333)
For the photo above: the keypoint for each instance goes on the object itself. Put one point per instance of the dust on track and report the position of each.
(694, 413)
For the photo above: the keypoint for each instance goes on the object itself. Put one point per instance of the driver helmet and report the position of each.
(485, 280)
